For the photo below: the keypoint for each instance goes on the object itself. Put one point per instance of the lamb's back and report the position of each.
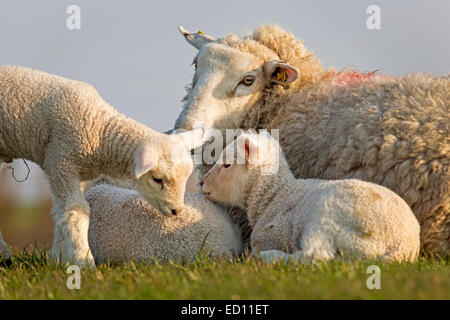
(362, 219)
(36, 107)
(125, 227)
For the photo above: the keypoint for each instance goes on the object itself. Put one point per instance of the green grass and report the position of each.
(33, 276)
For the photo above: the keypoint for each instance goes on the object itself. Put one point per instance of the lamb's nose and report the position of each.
(202, 183)
(176, 211)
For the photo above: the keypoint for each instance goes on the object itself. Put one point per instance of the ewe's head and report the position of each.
(162, 169)
(231, 74)
(240, 165)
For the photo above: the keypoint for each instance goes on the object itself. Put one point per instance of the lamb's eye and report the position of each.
(158, 180)
(248, 80)
(226, 165)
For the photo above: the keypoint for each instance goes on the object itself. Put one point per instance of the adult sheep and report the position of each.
(333, 125)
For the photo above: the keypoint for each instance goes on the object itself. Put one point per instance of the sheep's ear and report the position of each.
(146, 159)
(280, 72)
(198, 39)
(194, 138)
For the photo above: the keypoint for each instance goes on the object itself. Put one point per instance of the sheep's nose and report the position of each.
(202, 183)
(176, 211)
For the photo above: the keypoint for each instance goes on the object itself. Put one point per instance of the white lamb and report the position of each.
(349, 219)
(124, 227)
(74, 135)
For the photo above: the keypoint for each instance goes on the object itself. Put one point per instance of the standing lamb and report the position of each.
(74, 135)
(333, 125)
(323, 219)
(123, 227)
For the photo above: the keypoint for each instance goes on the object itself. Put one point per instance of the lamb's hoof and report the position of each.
(5, 263)
(86, 264)
(297, 257)
(272, 256)
(84, 261)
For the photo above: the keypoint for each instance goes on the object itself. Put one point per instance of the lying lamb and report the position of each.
(350, 219)
(74, 135)
(124, 227)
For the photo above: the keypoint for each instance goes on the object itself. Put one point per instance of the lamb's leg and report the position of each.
(315, 246)
(4, 160)
(5, 256)
(71, 215)
(272, 256)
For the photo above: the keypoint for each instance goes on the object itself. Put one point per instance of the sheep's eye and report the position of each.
(248, 80)
(158, 181)
(226, 165)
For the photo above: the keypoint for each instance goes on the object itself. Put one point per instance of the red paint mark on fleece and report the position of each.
(345, 78)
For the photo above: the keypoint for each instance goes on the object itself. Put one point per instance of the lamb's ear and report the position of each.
(198, 39)
(280, 72)
(194, 138)
(145, 159)
(248, 149)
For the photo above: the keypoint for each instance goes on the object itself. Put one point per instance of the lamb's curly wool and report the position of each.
(324, 219)
(124, 227)
(74, 135)
(394, 131)
(349, 218)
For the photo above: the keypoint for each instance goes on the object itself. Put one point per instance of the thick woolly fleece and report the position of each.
(73, 135)
(338, 125)
(124, 227)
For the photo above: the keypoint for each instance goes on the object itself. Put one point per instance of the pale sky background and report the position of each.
(132, 52)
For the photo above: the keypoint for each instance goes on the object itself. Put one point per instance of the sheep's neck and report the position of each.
(266, 190)
(266, 110)
(121, 139)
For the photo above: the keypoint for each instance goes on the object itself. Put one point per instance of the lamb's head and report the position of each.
(163, 167)
(232, 73)
(240, 166)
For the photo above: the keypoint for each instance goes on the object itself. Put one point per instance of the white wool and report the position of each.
(124, 227)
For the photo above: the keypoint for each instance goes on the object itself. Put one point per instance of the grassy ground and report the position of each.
(32, 276)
